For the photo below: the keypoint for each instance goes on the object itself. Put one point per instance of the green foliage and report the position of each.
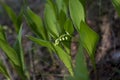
(60, 52)
(51, 19)
(76, 12)
(10, 52)
(54, 32)
(2, 34)
(61, 5)
(65, 58)
(22, 71)
(116, 4)
(15, 55)
(17, 20)
(41, 42)
(4, 71)
(68, 26)
(89, 39)
(35, 23)
(80, 70)
(86, 34)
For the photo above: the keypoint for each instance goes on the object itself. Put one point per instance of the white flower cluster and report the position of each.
(63, 37)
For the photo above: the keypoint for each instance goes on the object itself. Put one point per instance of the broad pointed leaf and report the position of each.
(10, 52)
(61, 5)
(66, 59)
(81, 71)
(61, 19)
(51, 19)
(68, 26)
(89, 39)
(76, 12)
(60, 52)
(35, 23)
(83, 2)
(41, 42)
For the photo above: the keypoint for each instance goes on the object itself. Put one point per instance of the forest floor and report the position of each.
(102, 18)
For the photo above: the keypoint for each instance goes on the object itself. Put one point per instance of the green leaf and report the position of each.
(61, 5)
(10, 52)
(2, 34)
(51, 19)
(68, 26)
(4, 71)
(19, 19)
(41, 42)
(61, 19)
(89, 39)
(83, 2)
(18, 47)
(81, 71)
(11, 15)
(35, 23)
(60, 52)
(65, 58)
(76, 12)
(116, 4)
